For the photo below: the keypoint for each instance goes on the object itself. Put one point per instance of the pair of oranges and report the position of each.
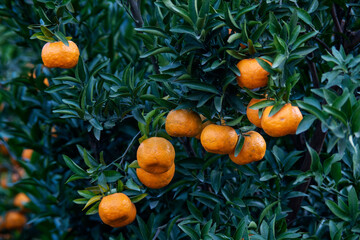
(282, 123)
(15, 219)
(155, 157)
(285, 121)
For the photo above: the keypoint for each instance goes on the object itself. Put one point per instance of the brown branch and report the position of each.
(187, 146)
(322, 43)
(316, 142)
(139, 22)
(336, 19)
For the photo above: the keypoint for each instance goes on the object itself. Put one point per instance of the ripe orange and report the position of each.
(14, 220)
(2, 106)
(183, 123)
(21, 199)
(253, 115)
(284, 122)
(26, 154)
(117, 210)
(3, 150)
(5, 177)
(46, 81)
(219, 139)
(155, 181)
(252, 74)
(58, 55)
(254, 149)
(156, 155)
(204, 124)
(53, 132)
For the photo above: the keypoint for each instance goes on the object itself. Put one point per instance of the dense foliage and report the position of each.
(141, 59)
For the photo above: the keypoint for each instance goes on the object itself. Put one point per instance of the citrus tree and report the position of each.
(174, 119)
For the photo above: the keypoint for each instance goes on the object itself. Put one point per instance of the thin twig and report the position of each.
(187, 146)
(122, 157)
(323, 44)
(164, 226)
(336, 19)
(139, 22)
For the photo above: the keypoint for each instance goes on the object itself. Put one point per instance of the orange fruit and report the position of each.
(203, 125)
(14, 220)
(254, 149)
(53, 132)
(183, 123)
(252, 74)
(155, 181)
(58, 55)
(253, 115)
(117, 210)
(26, 154)
(4, 179)
(219, 139)
(46, 82)
(282, 123)
(156, 155)
(21, 199)
(2, 106)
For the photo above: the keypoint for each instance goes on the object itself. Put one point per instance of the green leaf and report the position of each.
(61, 38)
(80, 201)
(313, 110)
(205, 87)
(262, 104)
(337, 210)
(353, 203)
(305, 124)
(73, 178)
(47, 32)
(336, 113)
(74, 167)
(177, 10)
(189, 231)
(230, 20)
(266, 210)
(239, 145)
(94, 209)
(138, 116)
(156, 51)
(194, 211)
(138, 198)
(134, 164)
(153, 31)
(92, 201)
(303, 39)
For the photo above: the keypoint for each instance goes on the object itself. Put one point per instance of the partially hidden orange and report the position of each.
(282, 123)
(219, 139)
(155, 181)
(254, 149)
(252, 74)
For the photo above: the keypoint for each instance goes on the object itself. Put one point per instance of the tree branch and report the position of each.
(187, 146)
(316, 142)
(336, 19)
(139, 22)
(323, 44)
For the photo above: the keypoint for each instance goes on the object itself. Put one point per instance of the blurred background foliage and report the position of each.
(140, 59)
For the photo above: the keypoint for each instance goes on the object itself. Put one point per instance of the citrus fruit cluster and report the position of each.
(14, 219)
